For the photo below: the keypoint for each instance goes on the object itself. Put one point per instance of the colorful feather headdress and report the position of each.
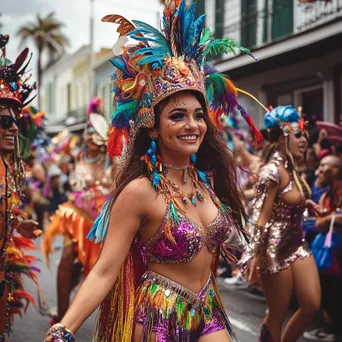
(288, 118)
(13, 77)
(163, 63)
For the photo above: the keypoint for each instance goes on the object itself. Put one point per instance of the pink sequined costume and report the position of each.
(168, 309)
(282, 240)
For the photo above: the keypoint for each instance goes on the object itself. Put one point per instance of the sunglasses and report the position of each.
(300, 134)
(6, 122)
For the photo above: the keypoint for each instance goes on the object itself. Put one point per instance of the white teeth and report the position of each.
(9, 138)
(188, 137)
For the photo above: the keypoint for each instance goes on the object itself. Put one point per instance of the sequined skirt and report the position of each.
(176, 314)
(279, 245)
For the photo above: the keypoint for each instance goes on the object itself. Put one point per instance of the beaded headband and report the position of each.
(165, 62)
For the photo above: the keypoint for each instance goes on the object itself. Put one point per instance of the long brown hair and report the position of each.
(213, 155)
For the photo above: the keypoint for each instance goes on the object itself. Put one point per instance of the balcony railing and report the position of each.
(279, 19)
(317, 13)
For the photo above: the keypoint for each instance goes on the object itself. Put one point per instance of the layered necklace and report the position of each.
(175, 191)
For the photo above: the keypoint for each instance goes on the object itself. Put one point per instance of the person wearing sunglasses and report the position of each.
(283, 258)
(15, 231)
(90, 182)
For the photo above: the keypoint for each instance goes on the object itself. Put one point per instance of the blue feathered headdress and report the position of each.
(165, 62)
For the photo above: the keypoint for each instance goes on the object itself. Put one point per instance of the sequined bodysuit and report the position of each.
(189, 239)
(282, 240)
(166, 308)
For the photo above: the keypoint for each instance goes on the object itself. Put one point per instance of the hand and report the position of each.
(29, 229)
(313, 207)
(322, 135)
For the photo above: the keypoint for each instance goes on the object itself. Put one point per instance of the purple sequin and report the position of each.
(190, 239)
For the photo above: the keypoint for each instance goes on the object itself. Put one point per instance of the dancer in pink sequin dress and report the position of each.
(285, 263)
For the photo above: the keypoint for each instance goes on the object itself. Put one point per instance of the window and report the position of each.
(311, 99)
(248, 23)
(282, 18)
(219, 18)
(200, 9)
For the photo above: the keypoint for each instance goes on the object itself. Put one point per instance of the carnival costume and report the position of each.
(91, 189)
(281, 242)
(91, 183)
(157, 66)
(14, 94)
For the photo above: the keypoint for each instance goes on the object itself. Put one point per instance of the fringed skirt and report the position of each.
(176, 314)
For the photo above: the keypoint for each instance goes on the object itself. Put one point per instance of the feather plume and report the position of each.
(125, 26)
(21, 59)
(224, 46)
(99, 230)
(221, 95)
(206, 34)
(123, 113)
(121, 63)
(146, 29)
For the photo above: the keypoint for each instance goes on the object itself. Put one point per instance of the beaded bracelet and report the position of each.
(59, 333)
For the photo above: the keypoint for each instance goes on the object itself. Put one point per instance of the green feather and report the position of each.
(173, 213)
(206, 35)
(224, 46)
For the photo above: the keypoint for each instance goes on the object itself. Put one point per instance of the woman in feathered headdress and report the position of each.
(176, 199)
(90, 183)
(14, 94)
(283, 257)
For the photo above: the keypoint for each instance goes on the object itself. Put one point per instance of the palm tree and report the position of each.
(46, 36)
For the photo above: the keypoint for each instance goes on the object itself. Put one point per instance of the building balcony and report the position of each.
(281, 27)
(73, 120)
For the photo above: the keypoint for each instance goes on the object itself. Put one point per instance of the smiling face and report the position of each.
(8, 131)
(181, 127)
(298, 144)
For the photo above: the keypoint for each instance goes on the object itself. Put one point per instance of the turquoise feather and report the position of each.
(146, 29)
(206, 35)
(99, 230)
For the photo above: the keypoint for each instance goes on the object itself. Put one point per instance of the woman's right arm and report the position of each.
(126, 217)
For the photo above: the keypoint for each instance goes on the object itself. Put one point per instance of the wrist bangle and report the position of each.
(59, 333)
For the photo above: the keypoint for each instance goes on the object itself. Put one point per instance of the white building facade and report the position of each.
(66, 91)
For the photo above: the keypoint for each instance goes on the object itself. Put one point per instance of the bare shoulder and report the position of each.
(138, 192)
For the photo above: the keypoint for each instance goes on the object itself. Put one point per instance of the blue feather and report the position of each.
(181, 12)
(123, 113)
(146, 29)
(99, 230)
(188, 29)
(151, 59)
(120, 63)
(151, 50)
(199, 23)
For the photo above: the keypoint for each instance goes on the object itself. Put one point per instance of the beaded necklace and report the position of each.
(185, 169)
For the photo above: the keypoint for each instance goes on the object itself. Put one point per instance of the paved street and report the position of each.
(246, 311)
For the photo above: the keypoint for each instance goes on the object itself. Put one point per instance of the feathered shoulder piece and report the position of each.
(164, 62)
(14, 88)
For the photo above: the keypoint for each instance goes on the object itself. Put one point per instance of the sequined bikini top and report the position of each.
(189, 238)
